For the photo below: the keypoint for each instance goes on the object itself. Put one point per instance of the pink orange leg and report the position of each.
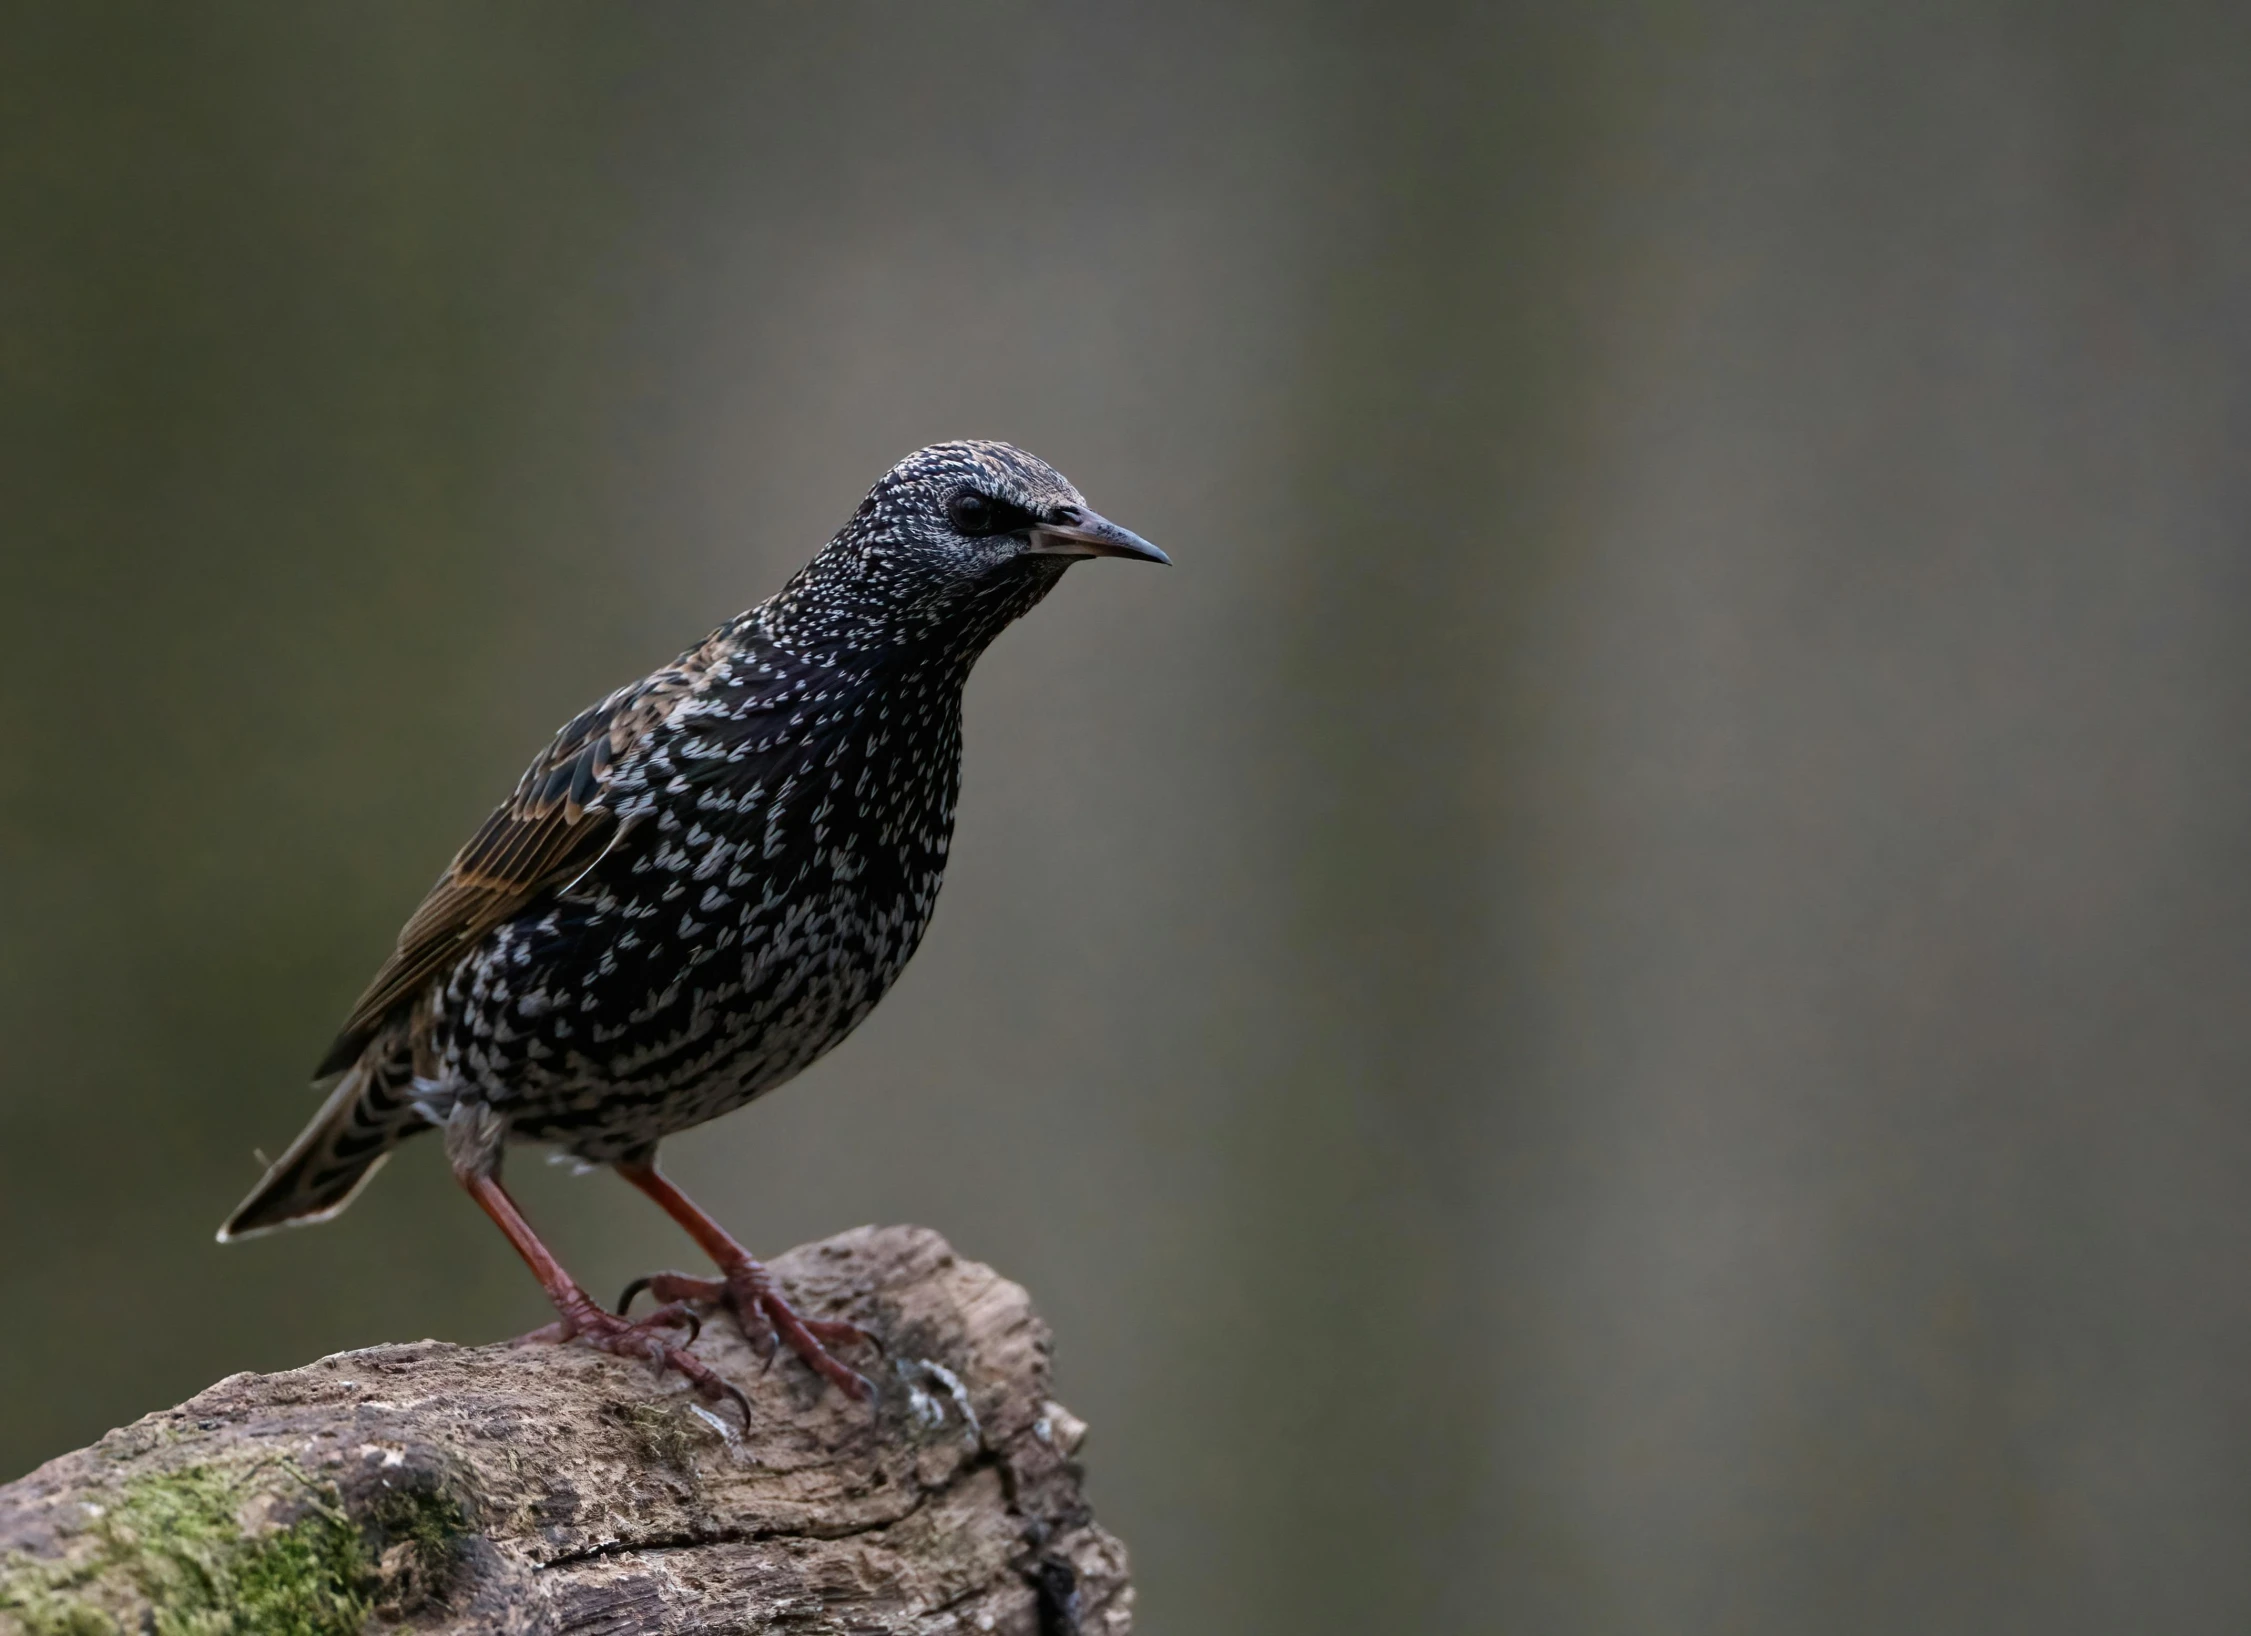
(587, 1323)
(744, 1286)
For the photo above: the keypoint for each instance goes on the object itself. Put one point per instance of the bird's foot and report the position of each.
(651, 1338)
(748, 1292)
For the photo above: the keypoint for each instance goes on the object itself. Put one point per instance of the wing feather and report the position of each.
(551, 830)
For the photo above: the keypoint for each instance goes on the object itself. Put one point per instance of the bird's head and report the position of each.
(959, 534)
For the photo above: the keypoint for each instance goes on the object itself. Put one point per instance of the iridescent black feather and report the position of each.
(709, 878)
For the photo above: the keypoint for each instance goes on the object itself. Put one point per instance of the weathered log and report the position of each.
(539, 1488)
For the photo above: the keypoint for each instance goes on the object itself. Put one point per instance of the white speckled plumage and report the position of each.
(708, 879)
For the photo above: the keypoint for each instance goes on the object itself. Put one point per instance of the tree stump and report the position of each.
(550, 1489)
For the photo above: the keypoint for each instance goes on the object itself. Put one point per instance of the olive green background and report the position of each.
(1620, 1007)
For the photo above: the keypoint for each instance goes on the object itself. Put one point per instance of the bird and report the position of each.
(703, 884)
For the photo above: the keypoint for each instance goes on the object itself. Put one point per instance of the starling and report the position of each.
(703, 884)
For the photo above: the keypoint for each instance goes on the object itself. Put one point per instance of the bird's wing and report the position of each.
(543, 836)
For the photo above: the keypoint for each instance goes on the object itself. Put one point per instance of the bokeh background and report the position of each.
(1621, 1007)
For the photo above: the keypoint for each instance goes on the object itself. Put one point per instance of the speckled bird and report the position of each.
(703, 884)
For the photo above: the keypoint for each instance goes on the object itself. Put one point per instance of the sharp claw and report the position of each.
(764, 1338)
(675, 1312)
(611, 1333)
(766, 1320)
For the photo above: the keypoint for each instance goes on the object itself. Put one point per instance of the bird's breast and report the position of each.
(775, 871)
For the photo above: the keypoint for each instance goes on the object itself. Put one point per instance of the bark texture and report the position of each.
(531, 1488)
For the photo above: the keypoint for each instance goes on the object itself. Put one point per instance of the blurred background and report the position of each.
(1621, 1006)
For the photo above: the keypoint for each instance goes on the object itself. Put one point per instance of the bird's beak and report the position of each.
(1083, 533)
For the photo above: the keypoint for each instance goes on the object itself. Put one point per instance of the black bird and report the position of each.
(705, 882)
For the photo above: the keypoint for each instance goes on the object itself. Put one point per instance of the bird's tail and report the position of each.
(368, 1113)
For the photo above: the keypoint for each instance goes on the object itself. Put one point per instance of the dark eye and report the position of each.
(976, 514)
(971, 513)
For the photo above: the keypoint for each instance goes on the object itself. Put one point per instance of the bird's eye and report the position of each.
(976, 515)
(971, 513)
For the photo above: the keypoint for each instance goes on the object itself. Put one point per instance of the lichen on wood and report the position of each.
(539, 1488)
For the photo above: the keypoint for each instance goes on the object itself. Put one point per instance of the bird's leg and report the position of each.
(744, 1286)
(582, 1320)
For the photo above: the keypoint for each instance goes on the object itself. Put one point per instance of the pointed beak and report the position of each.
(1078, 532)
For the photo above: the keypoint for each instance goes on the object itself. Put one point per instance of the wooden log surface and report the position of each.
(541, 1488)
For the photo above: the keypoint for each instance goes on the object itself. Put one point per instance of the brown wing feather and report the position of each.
(538, 851)
(548, 832)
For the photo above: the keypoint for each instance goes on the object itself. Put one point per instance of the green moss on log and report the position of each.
(171, 1555)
